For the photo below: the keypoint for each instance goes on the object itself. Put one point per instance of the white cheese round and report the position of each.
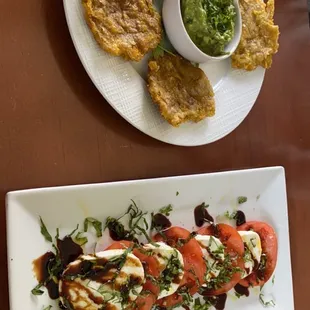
(163, 253)
(213, 252)
(253, 243)
(91, 293)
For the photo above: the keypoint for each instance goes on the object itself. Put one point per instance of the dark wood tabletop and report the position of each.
(56, 129)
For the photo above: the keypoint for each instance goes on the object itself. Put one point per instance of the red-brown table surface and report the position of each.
(56, 129)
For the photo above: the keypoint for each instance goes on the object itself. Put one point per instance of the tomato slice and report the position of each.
(151, 267)
(234, 247)
(194, 266)
(269, 243)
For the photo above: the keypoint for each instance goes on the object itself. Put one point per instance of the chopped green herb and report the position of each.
(72, 233)
(219, 249)
(226, 271)
(54, 267)
(242, 199)
(57, 234)
(203, 205)
(48, 307)
(247, 257)
(95, 223)
(45, 232)
(238, 295)
(120, 260)
(166, 210)
(181, 242)
(172, 270)
(257, 197)
(198, 305)
(37, 290)
(123, 295)
(137, 223)
(159, 51)
(273, 278)
(80, 239)
(186, 296)
(116, 262)
(117, 229)
(230, 216)
(269, 303)
(177, 193)
(262, 267)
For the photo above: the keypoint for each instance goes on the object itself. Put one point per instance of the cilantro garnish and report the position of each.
(160, 51)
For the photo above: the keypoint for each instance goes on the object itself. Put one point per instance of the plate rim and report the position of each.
(9, 194)
(279, 172)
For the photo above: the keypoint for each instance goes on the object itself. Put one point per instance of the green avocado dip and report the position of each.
(209, 23)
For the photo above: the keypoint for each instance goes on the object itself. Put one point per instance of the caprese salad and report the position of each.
(171, 267)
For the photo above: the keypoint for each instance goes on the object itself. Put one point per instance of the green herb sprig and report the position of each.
(137, 223)
(160, 51)
(95, 223)
(37, 290)
(45, 232)
(269, 303)
(166, 210)
(80, 239)
(198, 305)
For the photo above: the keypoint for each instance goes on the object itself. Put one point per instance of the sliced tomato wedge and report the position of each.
(234, 247)
(194, 266)
(269, 243)
(151, 267)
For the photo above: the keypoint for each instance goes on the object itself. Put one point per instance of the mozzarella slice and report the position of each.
(163, 253)
(102, 286)
(253, 251)
(213, 252)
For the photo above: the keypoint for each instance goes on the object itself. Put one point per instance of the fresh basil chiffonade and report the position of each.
(209, 23)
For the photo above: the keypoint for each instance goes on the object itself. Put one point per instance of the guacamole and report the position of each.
(209, 23)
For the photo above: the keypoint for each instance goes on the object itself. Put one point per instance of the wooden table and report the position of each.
(56, 129)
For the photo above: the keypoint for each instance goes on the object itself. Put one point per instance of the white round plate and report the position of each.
(123, 85)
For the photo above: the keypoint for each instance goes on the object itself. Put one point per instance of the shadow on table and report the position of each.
(77, 78)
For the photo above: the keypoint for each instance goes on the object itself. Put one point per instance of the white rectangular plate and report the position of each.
(64, 207)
